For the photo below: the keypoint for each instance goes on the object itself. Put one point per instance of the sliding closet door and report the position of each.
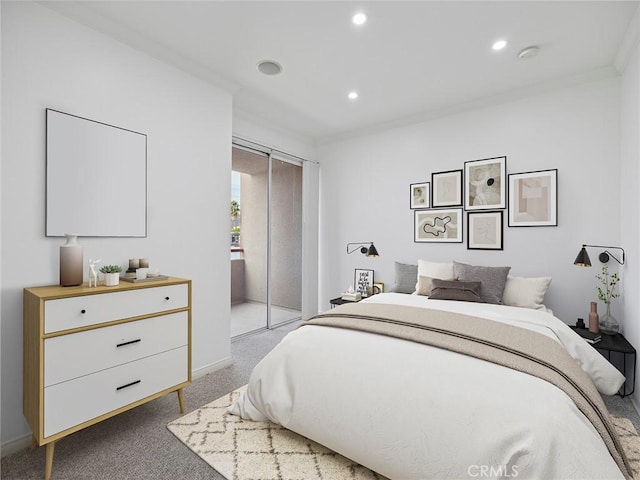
(285, 226)
(249, 241)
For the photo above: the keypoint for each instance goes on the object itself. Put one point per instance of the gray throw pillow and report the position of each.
(406, 275)
(455, 290)
(492, 279)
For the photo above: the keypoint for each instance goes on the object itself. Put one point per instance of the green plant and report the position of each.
(111, 269)
(607, 290)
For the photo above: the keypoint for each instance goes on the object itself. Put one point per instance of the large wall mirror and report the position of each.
(96, 178)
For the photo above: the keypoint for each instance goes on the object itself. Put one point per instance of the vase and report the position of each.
(111, 279)
(71, 268)
(608, 324)
(594, 321)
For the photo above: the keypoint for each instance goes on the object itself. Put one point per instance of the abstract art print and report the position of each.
(533, 199)
(484, 231)
(446, 189)
(419, 195)
(438, 226)
(485, 184)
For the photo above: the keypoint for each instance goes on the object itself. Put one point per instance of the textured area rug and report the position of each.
(246, 450)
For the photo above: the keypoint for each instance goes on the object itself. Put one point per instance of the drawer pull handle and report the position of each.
(128, 385)
(83, 311)
(128, 343)
(166, 298)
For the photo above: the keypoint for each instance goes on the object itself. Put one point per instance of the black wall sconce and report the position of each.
(583, 259)
(369, 252)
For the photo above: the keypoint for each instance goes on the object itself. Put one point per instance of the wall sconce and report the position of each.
(583, 260)
(369, 252)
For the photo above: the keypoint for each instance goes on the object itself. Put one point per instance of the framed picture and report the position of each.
(419, 195)
(484, 230)
(446, 189)
(363, 282)
(485, 184)
(438, 226)
(378, 287)
(533, 199)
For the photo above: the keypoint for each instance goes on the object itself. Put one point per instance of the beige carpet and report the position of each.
(245, 450)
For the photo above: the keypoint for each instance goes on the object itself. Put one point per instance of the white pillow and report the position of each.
(526, 292)
(441, 271)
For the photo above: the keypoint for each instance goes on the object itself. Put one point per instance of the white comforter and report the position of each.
(411, 411)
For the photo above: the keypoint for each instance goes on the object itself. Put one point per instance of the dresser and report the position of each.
(92, 353)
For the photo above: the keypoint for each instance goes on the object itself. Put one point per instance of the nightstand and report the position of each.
(621, 346)
(340, 301)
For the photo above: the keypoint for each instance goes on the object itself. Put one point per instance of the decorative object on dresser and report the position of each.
(372, 251)
(484, 231)
(533, 199)
(419, 195)
(93, 274)
(438, 226)
(485, 184)
(446, 189)
(92, 353)
(71, 268)
(111, 274)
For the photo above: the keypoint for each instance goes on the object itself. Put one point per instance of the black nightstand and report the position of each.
(620, 345)
(340, 301)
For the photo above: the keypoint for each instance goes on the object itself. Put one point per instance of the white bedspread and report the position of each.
(411, 411)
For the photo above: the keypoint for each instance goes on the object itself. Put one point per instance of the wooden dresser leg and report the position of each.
(34, 442)
(180, 400)
(49, 461)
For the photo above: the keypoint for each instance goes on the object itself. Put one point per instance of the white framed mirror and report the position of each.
(96, 178)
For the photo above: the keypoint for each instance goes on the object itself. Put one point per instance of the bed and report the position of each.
(410, 410)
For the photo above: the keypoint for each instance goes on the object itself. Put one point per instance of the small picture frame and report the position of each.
(363, 281)
(419, 195)
(533, 199)
(446, 189)
(485, 230)
(378, 287)
(438, 226)
(485, 184)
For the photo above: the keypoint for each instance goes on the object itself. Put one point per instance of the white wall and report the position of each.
(50, 61)
(630, 201)
(365, 181)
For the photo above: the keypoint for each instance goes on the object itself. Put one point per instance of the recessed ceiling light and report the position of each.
(352, 95)
(499, 45)
(359, 18)
(269, 67)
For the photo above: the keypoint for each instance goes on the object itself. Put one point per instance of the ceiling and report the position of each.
(410, 60)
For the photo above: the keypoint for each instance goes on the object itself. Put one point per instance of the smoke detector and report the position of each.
(529, 52)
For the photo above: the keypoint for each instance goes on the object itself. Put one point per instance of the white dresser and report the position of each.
(91, 353)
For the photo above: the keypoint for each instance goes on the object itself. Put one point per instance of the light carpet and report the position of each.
(245, 450)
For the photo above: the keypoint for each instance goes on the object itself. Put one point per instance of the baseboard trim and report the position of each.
(16, 445)
(212, 367)
(24, 441)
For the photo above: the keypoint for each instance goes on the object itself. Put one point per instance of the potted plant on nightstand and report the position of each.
(606, 293)
(111, 274)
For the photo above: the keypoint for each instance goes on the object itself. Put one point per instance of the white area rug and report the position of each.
(243, 450)
(246, 450)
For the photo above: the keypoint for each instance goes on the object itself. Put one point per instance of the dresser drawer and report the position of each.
(81, 311)
(74, 402)
(70, 356)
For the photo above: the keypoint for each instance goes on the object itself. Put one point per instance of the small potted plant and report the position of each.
(111, 274)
